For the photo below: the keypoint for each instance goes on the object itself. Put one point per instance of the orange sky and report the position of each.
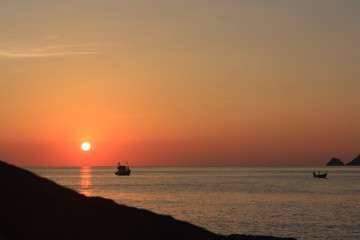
(180, 83)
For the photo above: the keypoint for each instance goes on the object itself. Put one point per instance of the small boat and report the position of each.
(123, 170)
(319, 174)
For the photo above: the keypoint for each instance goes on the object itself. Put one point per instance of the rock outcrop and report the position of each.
(355, 162)
(32, 207)
(335, 162)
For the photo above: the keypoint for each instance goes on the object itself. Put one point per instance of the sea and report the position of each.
(275, 201)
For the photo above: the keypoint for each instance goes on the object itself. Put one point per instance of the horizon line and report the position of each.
(191, 166)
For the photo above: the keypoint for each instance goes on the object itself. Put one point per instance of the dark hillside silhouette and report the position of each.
(32, 207)
(355, 162)
(335, 162)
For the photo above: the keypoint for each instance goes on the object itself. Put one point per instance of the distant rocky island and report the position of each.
(355, 162)
(33, 207)
(337, 162)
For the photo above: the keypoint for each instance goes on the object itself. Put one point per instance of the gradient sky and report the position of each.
(200, 82)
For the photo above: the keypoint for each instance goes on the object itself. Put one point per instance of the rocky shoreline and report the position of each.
(33, 207)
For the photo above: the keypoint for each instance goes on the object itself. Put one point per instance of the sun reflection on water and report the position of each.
(85, 181)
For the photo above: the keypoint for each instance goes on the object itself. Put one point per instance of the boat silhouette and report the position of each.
(123, 170)
(319, 174)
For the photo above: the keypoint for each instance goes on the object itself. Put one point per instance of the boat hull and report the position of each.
(320, 175)
(123, 173)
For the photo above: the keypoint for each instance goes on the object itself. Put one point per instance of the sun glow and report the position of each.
(86, 146)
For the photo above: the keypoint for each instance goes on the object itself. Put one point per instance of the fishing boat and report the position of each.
(319, 174)
(123, 170)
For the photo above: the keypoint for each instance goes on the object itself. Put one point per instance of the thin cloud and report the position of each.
(48, 51)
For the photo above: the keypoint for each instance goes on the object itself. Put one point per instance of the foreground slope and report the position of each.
(32, 207)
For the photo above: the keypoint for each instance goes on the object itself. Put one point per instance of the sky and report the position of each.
(179, 83)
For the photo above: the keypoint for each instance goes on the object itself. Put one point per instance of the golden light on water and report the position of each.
(85, 181)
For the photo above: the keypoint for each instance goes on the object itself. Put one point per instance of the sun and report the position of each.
(85, 146)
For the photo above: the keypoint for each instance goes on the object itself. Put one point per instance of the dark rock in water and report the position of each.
(32, 207)
(335, 162)
(355, 162)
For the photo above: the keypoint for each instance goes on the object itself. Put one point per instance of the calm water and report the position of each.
(248, 200)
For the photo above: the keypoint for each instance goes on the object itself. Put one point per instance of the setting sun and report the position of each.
(86, 146)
